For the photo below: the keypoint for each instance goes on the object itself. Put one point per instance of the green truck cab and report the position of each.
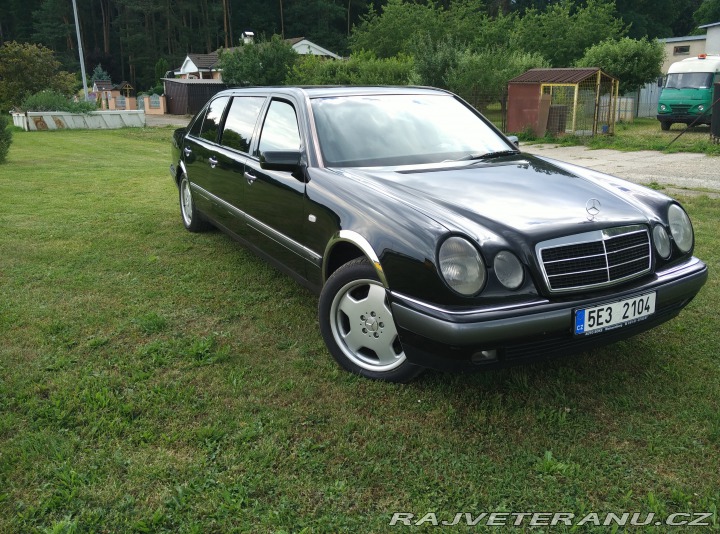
(687, 94)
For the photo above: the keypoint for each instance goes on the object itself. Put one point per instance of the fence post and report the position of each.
(715, 117)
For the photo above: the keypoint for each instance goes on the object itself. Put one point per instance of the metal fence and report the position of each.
(586, 108)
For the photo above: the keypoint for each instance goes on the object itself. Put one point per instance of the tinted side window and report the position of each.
(280, 131)
(211, 124)
(195, 131)
(240, 122)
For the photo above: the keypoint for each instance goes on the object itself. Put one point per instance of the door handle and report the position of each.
(213, 162)
(250, 177)
(187, 151)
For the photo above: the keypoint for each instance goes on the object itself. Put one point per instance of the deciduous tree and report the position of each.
(634, 62)
(28, 68)
(563, 32)
(708, 12)
(392, 31)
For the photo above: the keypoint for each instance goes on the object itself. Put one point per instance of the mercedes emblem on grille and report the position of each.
(592, 206)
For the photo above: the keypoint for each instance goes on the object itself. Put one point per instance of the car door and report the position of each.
(235, 141)
(274, 201)
(200, 155)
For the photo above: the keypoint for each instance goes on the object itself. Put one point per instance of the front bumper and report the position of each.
(684, 118)
(447, 339)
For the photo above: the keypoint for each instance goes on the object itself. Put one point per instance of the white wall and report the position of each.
(712, 41)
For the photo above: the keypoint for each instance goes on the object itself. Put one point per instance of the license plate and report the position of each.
(614, 314)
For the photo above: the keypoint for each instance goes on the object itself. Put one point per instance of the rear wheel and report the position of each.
(191, 218)
(358, 327)
(665, 125)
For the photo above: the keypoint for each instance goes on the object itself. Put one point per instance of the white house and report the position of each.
(199, 67)
(304, 46)
(204, 66)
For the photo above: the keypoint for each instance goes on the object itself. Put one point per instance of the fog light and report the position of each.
(484, 356)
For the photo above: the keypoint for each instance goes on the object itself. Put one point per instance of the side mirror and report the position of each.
(281, 160)
(514, 140)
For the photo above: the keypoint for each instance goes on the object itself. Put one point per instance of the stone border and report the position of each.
(95, 120)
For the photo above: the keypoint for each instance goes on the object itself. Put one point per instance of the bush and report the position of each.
(54, 101)
(361, 69)
(481, 77)
(5, 138)
(434, 59)
(263, 63)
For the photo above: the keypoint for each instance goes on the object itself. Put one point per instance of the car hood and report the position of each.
(522, 193)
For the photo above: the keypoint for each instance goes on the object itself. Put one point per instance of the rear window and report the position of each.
(213, 117)
(280, 131)
(240, 122)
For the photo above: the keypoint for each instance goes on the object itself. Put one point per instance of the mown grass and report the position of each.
(643, 134)
(153, 380)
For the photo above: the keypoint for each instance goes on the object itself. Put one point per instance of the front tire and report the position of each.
(665, 125)
(192, 220)
(358, 327)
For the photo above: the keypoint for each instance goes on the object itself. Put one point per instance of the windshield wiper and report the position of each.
(489, 155)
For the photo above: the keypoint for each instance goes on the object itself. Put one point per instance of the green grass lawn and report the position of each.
(155, 380)
(645, 134)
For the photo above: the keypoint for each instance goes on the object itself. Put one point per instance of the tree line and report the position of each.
(445, 40)
(459, 48)
(129, 37)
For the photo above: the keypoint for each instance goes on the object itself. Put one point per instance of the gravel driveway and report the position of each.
(681, 171)
(167, 120)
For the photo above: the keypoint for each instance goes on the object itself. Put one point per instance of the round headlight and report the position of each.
(680, 228)
(661, 240)
(701, 108)
(461, 266)
(662, 107)
(508, 269)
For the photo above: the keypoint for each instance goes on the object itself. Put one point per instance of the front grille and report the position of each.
(680, 108)
(595, 259)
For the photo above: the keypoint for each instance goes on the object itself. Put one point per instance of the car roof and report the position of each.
(317, 91)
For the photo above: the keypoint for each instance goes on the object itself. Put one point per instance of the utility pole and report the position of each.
(80, 51)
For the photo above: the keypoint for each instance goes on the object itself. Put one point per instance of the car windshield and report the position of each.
(389, 130)
(689, 80)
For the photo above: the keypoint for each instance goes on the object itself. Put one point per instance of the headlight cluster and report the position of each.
(463, 268)
(662, 241)
(509, 270)
(680, 229)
